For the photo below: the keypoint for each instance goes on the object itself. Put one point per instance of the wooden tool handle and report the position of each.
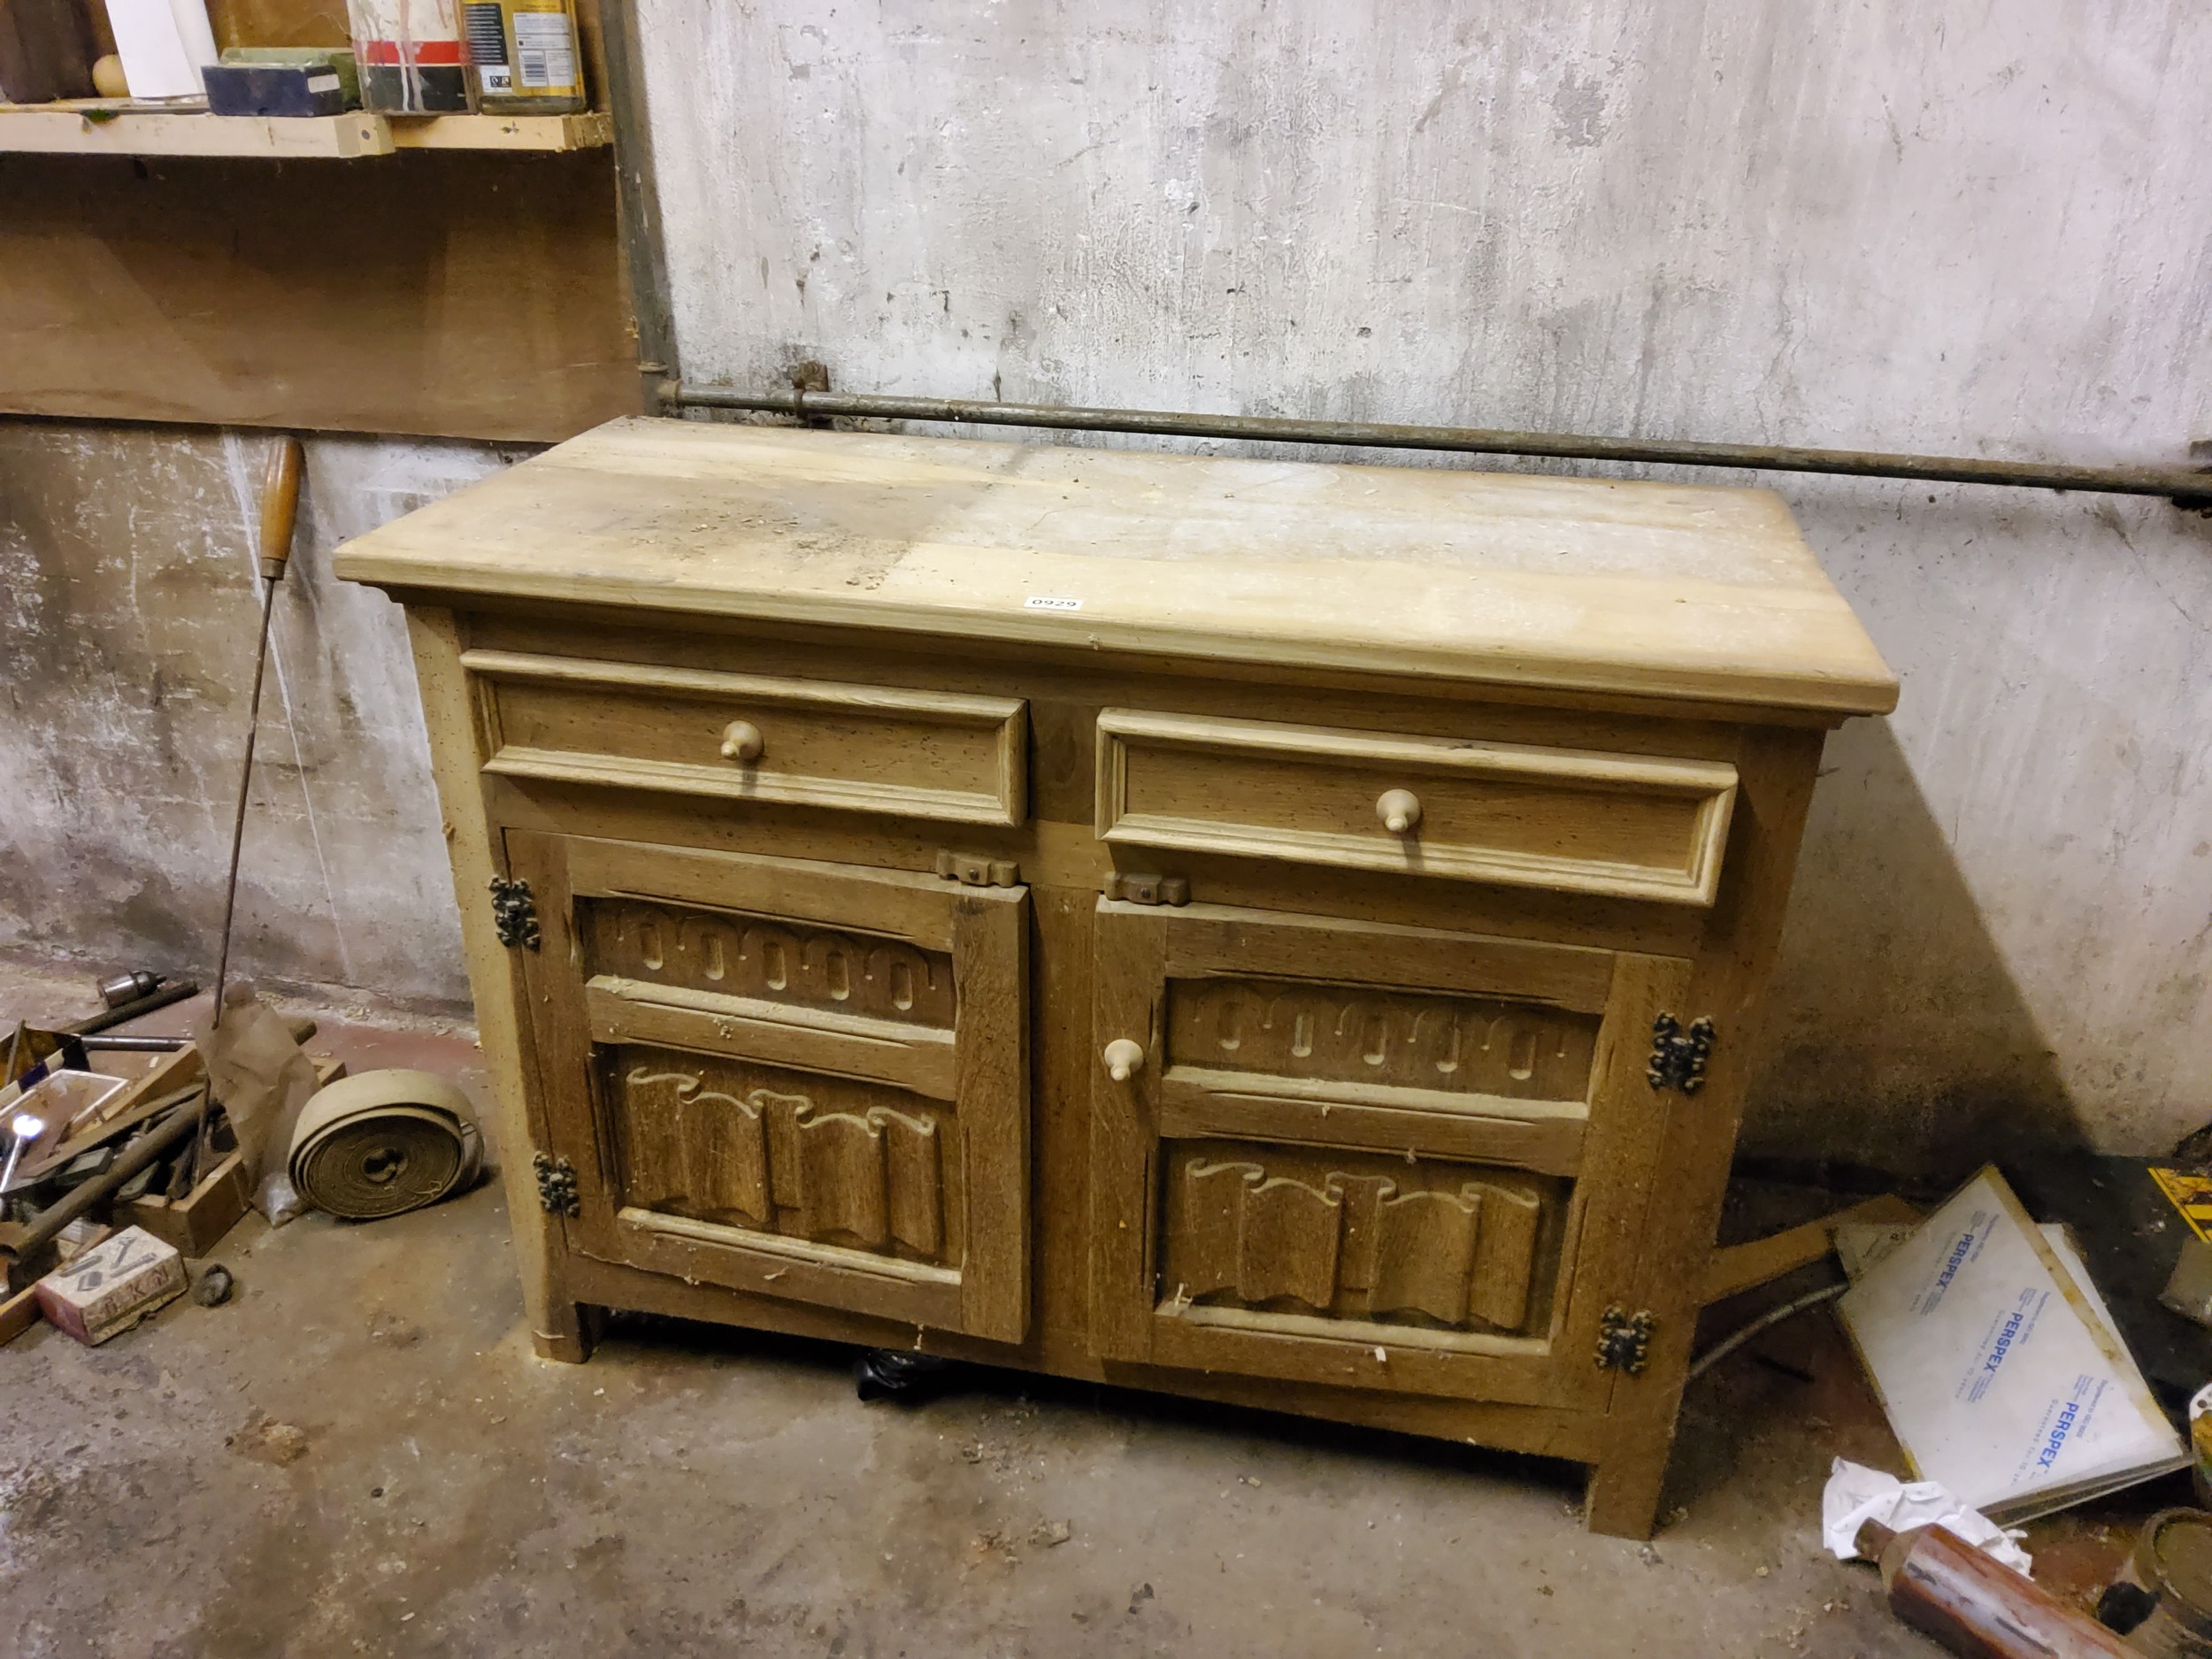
(280, 506)
(1944, 1587)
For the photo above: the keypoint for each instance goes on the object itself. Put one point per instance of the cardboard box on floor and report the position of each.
(1999, 1365)
(111, 1286)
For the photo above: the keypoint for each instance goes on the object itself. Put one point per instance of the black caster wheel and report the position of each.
(894, 1374)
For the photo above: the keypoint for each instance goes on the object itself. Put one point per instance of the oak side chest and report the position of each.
(1283, 934)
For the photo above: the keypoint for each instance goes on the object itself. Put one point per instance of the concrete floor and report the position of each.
(360, 1454)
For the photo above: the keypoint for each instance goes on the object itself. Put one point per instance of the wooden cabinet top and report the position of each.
(1626, 590)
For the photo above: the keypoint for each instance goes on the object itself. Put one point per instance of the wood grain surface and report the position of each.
(1656, 590)
(1363, 1137)
(438, 294)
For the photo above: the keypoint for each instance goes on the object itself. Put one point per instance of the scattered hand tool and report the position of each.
(280, 513)
(123, 1013)
(22, 1244)
(23, 1128)
(128, 988)
(128, 1121)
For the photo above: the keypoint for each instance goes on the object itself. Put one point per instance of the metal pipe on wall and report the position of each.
(2185, 486)
(637, 198)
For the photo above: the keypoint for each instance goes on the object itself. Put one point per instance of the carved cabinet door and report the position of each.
(1376, 1156)
(800, 1079)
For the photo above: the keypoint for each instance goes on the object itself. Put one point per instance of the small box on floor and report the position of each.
(111, 1286)
(2189, 1291)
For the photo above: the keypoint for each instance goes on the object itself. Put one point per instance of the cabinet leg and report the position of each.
(900, 1375)
(1622, 1499)
(568, 1332)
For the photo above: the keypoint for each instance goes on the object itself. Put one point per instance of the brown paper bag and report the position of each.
(259, 1074)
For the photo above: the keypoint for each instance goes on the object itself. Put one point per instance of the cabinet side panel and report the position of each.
(1682, 1212)
(990, 959)
(1129, 967)
(1062, 1062)
(494, 980)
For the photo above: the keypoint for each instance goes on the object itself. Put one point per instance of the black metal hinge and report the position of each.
(557, 1185)
(514, 913)
(1623, 1339)
(1678, 1056)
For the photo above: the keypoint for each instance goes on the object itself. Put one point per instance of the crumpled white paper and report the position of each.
(1856, 1494)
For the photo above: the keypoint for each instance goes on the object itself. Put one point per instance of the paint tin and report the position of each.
(2200, 1442)
(2161, 1602)
(412, 56)
(524, 57)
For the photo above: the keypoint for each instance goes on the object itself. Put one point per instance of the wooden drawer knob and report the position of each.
(1400, 809)
(741, 742)
(1122, 1057)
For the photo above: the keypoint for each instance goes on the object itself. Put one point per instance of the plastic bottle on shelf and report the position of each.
(162, 44)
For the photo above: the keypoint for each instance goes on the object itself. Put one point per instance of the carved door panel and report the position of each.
(1375, 1157)
(801, 1079)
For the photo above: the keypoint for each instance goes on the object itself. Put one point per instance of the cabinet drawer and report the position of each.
(746, 737)
(1575, 820)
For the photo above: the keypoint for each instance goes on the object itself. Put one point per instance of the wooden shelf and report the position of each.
(591, 130)
(98, 129)
(92, 132)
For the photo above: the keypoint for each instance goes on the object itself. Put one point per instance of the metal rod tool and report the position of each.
(123, 1013)
(280, 513)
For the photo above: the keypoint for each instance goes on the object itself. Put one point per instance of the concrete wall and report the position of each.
(128, 612)
(1942, 227)
(1954, 226)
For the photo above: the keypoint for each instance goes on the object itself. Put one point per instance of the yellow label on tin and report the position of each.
(2192, 1194)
